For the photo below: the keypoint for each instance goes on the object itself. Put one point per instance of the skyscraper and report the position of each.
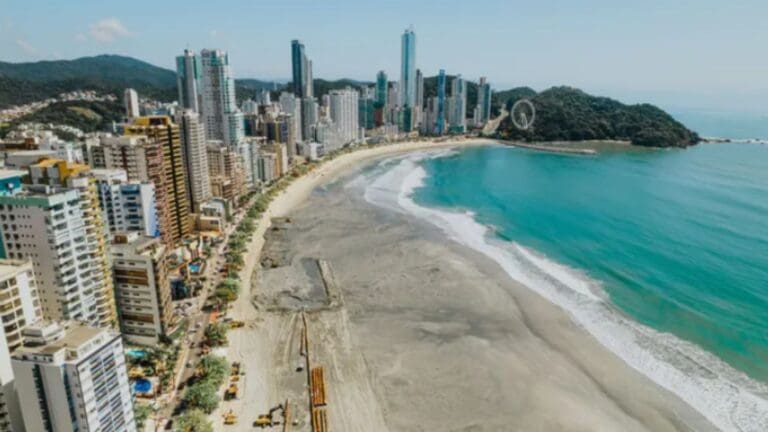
(419, 89)
(195, 151)
(98, 277)
(382, 89)
(161, 130)
(53, 236)
(131, 100)
(188, 80)
(222, 120)
(459, 97)
(440, 116)
(483, 100)
(302, 70)
(408, 69)
(344, 113)
(309, 117)
(290, 104)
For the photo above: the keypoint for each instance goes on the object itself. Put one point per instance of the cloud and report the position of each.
(108, 30)
(81, 37)
(27, 47)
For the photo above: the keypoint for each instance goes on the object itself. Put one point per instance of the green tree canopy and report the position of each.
(216, 333)
(215, 369)
(192, 421)
(202, 395)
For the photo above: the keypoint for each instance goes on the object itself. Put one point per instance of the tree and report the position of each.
(192, 421)
(202, 395)
(215, 369)
(230, 284)
(141, 413)
(216, 333)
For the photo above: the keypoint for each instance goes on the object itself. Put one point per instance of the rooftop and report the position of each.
(10, 267)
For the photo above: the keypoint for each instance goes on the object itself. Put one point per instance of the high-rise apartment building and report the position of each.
(302, 71)
(131, 101)
(222, 120)
(71, 377)
(291, 105)
(226, 171)
(142, 287)
(344, 113)
(310, 115)
(142, 160)
(458, 115)
(46, 225)
(161, 130)
(97, 277)
(440, 109)
(20, 307)
(382, 89)
(483, 101)
(127, 205)
(188, 80)
(195, 151)
(408, 69)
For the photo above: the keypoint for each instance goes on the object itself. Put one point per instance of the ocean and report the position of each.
(662, 255)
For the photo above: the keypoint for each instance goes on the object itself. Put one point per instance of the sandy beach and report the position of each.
(414, 331)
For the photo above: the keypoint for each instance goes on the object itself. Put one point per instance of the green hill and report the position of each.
(568, 114)
(88, 116)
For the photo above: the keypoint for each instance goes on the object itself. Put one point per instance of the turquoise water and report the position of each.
(678, 239)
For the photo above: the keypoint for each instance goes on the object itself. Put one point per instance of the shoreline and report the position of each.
(297, 193)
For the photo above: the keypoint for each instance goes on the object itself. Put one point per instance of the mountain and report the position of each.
(104, 73)
(569, 114)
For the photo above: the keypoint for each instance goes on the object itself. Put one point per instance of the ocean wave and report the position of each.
(728, 398)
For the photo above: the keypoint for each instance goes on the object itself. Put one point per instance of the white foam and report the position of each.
(726, 397)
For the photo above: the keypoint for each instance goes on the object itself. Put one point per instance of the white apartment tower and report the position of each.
(71, 377)
(131, 100)
(222, 120)
(344, 113)
(46, 225)
(291, 104)
(195, 151)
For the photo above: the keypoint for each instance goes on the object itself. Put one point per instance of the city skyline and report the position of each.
(652, 58)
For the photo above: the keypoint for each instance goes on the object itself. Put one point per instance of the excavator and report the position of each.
(231, 392)
(265, 420)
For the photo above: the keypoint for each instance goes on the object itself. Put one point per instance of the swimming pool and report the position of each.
(136, 353)
(142, 385)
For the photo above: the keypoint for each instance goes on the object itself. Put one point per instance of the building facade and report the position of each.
(188, 80)
(161, 130)
(344, 113)
(19, 307)
(302, 71)
(142, 288)
(408, 69)
(131, 101)
(97, 276)
(195, 151)
(221, 118)
(127, 206)
(71, 377)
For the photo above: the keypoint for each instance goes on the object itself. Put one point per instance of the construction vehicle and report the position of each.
(235, 369)
(265, 420)
(231, 392)
(230, 418)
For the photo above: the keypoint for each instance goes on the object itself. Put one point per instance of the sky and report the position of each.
(702, 54)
